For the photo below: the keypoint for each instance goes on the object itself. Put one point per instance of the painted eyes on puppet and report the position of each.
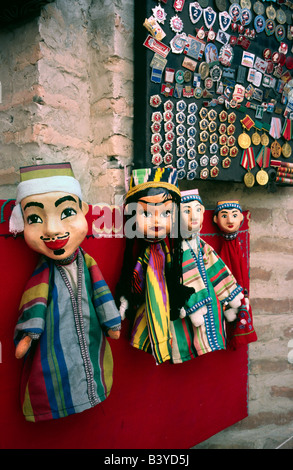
(164, 214)
(224, 216)
(34, 219)
(68, 212)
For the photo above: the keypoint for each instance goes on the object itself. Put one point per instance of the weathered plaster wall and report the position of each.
(67, 94)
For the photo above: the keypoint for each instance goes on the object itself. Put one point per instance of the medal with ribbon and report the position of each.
(248, 163)
(275, 132)
(263, 160)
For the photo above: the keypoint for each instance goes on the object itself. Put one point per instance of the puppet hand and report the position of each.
(197, 318)
(23, 347)
(246, 300)
(231, 314)
(123, 307)
(236, 302)
(182, 313)
(114, 334)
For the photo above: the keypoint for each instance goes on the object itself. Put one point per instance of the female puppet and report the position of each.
(150, 288)
(229, 217)
(67, 308)
(202, 327)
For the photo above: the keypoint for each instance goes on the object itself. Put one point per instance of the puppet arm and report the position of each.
(232, 307)
(196, 318)
(24, 344)
(114, 334)
(123, 307)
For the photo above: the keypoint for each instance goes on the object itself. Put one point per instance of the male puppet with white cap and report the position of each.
(67, 309)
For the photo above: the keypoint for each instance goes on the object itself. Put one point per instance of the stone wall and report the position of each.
(67, 95)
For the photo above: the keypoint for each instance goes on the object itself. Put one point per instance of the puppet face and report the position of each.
(191, 218)
(54, 223)
(154, 216)
(229, 220)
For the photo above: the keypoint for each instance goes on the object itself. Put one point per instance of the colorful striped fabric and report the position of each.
(213, 284)
(45, 171)
(69, 368)
(151, 328)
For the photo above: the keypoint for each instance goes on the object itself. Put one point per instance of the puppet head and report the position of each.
(191, 213)
(49, 210)
(228, 216)
(153, 197)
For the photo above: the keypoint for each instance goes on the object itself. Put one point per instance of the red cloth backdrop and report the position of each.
(150, 407)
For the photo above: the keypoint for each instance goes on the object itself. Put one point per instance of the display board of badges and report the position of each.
(214, 89)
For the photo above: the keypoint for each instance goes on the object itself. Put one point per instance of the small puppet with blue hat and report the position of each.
(229, 217)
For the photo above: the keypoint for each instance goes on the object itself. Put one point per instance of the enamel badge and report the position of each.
(224, 20)
(209, 16)
(195, 12)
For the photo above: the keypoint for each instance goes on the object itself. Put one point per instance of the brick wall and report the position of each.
(67, 86)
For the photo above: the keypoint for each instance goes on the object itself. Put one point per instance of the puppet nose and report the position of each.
(53, 228)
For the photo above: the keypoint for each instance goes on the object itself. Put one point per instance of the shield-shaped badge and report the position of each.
(209, 16)
(224, 20)
(195, 12)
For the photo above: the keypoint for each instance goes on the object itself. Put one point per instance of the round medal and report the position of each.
(286, 150)
(281, 16)
(280, 32)
(235, 12)
(249, 179)
(262, 177)
(264, 139)
(245, 4)
(204, 70)
(270, 27)
(244, 140)
(258, 8)
(271, 12)
(255, 138)
(276, 149)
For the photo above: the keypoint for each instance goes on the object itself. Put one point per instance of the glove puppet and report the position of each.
(229, 218)
(150, 290)
(67, 309)
(201, 326)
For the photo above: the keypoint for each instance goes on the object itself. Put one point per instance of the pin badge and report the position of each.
(224, 20)
(176, 24)
(178, 5)
(159, 13)
(209, 16)
(195, 12)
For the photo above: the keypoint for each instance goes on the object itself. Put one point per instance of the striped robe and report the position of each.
(69, 368)
(214, 284)
(151, 328)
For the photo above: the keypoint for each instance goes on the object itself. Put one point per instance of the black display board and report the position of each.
(191, 97)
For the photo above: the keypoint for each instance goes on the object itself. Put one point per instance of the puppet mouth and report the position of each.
(57, 244)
